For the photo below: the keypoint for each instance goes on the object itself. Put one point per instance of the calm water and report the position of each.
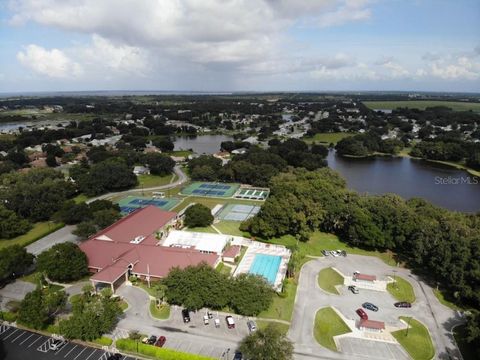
(203, 144)
(441, 185)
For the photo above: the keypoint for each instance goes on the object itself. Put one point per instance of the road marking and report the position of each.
(91, 354)
(70, 351)
(13, 332)
(79, 353)
(26, 339)
(35, 341)
(19, 336)
(63, 347)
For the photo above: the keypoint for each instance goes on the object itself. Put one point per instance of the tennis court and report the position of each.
(132, 203)
(210, 189)
(252, 193)
(238, 212)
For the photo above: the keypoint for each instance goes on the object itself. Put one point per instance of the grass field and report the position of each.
(230, 228)
(38, 231)
(223, 269)
(163, 313)
(206, 229)
(282, 306)
(327, 138)
(401, 290)
(262, 324)
(444, 301)
(328, 279)
(467, 349)
(417, 341)
(422, 104)
(147, 181)
(327, 325)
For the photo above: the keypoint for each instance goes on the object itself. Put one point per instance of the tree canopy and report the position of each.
(267, 344)
(63, 262)
(198, 215)
(38, 307)
(14, 259)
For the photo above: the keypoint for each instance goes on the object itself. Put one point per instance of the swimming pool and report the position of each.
(266, 265)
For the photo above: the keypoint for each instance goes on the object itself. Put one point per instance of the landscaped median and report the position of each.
(162, 312)
(327, 325)
(328, 279)
(416, 340)
(401, 290)
(156, 352)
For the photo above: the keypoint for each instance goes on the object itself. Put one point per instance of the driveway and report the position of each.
(427, 309)
(60, 236)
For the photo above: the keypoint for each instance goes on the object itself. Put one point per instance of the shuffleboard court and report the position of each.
(132, 203)
(210, 189)
(237, 212)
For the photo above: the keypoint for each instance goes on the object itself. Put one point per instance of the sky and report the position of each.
(240, 45)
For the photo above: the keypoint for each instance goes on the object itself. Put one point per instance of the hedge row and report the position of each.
(157, 352)
(103, 341)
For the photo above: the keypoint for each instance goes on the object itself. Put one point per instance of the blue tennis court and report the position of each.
(210, 189)
(266, 266)
(131, 203)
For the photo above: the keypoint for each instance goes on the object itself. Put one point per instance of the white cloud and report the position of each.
(458, 66)
(52, 63)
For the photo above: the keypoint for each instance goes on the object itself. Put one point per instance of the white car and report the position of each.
(334, 253)
(205, 320)
(57, 344)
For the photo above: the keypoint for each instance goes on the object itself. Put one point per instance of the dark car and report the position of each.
(186, 316)
(363, 315)
(116, 356)
(161, 341)
(370, 306)
(353, 289)
(238, 356)
(403, 304)
(343, 253)
(150, 340)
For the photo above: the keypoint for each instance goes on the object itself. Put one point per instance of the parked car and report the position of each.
(325, 253)
(116, 356)
(186, 316)
(370, 306)
(217, 323)
(334, 253)
(205, 320)
(161, 341)
(363, 315)
(149, 340)
(343, 253)
(251, 326)
(403, 304)
(238, 356)
(230, 322)
(57, 344)
(353, 289)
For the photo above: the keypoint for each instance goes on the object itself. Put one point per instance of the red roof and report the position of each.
(372, 324)
(365, 277)
(109, 274)
(232, 251)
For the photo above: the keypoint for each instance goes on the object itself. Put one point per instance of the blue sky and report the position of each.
(229, 45)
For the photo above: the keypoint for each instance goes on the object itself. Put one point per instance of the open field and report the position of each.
(282, 305)
(146, 181)
(422, 104)
(38, 231)
(327, 138)
(328, 279)
(230, 228)
(262, 324)
(401, 290)
(327, 325)
(417, 341)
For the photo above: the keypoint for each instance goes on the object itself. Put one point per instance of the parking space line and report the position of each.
(63, 347)
(95, 350)
(13, 332)
(26, 339)
(35, 341)
(70, 351)
(19, 336)
(80, 353)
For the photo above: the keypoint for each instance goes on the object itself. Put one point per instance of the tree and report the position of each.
(51, 160)
(198, 215)
(63, 262)
(85, 229)
(164, 144)
(251, 294)
(11, 224)
(14, 259)
(38, 307)
(159, 164)
(106, 217)
(267, 344)
(73, 213)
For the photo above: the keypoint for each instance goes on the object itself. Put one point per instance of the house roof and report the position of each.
(232, 251)
(372, 324)
(110, 274)
(365, 277)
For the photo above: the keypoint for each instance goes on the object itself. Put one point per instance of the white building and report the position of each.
(203, 242)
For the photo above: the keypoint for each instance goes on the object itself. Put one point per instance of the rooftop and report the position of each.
(372, 324)
(365, 277)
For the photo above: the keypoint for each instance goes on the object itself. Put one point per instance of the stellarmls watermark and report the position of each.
(457, 180)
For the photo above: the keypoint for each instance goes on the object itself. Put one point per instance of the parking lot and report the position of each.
(18, 344)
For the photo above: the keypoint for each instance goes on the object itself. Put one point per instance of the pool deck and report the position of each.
(254, 248)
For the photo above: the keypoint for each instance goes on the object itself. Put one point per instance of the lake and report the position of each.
(441, 185)
(202, 144)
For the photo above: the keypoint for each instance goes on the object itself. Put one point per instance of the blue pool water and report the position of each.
(266, 265)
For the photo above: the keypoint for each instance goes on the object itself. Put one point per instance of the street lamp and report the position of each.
(408, 326)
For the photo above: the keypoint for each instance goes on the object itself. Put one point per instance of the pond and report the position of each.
(202, 144)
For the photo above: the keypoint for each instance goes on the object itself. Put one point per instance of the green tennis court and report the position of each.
(132, 203)
(237, 212)
(210, 189)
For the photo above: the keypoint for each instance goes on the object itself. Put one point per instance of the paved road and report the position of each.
(15, 291)
(60, 236)
(438, 318)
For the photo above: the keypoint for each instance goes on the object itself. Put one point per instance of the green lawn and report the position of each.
(282, 305)
(38, 231)
(327, 325)
(327, 138)
(468, 350)
(422, 104)
(123, 305)
(262, 324)
(80, 198)
(328, 279)
(445, 301)
(206, 229)
(416, 341)
(230, 228)
(145, 287)
(163, 313)
(401, 290)
(222, 268)
(179, 153)
(147, 181)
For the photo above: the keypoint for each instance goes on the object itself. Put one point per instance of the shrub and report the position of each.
(157, 352)
(8, 316)
(103, 341)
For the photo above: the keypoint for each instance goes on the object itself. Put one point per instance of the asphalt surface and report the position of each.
(427, 309)
(60, 236)
(15, 291)
(18, 344)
